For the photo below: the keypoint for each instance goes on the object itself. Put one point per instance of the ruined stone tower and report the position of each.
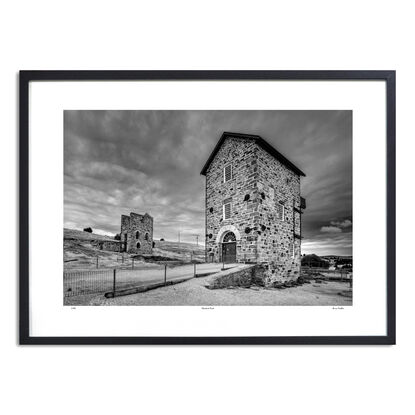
(253, 206)
(137, 233)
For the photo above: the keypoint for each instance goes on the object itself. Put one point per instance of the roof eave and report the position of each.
(261, 142)
(282, 159)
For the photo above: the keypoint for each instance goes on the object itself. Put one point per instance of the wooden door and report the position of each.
(229, 252)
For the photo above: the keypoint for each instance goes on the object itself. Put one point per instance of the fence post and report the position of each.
(113, 282)
(194, 269)
(122, 259)
(165, 274)
(97, 261)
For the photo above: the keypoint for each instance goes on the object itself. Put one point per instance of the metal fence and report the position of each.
(100, 281)
(122, 261)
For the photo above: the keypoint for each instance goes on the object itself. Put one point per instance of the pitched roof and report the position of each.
(258, 140)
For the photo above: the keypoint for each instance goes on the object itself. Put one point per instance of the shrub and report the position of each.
(88, 230)
(117, 237)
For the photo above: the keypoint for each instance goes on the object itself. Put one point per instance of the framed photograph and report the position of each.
(207, 207)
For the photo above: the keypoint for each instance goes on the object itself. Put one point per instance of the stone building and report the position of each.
(253, 206)
(137, 233)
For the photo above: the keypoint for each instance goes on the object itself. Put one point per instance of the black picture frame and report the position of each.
(26, 77)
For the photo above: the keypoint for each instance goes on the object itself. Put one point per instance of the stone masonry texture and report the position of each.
(114, 245)
(259, 183)
(137, 233)
(241, 278)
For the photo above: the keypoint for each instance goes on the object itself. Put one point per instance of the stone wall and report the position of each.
(244, 215)
(259, 182)
(278, 241)
(246, 277)
(108, 245)
(137, 229)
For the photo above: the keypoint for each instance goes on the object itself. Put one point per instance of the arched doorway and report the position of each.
(229, 247)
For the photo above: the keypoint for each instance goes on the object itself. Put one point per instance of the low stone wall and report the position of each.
(245, 277)
(107, 245)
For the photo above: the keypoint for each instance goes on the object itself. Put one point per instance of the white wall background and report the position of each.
(206, 35)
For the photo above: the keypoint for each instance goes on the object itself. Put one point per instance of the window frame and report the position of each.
(224, 172)
(283, 211)
(224, 210)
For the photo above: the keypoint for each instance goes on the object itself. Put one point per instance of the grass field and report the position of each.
(79, 253)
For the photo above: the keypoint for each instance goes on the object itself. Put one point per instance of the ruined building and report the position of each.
(137, 233)
(253, 206)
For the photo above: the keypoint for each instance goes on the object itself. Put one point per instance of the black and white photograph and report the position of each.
(208, 208)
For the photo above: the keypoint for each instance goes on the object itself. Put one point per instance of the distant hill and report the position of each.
(336, 257)
(84, 236)
(80, 253)
(314, 260)
(177, 250)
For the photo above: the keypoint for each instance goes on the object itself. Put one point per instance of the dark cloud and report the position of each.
(149, 161)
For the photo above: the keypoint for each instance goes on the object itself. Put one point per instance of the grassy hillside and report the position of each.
(83, 236)
(80, 253)
(179, 250)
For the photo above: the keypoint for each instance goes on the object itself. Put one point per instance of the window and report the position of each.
(229, 237)
(138, 245)
(146, 236)
(227, 173)
(226, 211)
(280, 211)
(137, 235)
(292, 249)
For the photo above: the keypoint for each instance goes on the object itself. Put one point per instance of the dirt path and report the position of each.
(95, 283)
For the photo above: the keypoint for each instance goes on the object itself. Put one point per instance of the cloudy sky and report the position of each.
(118, 162)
